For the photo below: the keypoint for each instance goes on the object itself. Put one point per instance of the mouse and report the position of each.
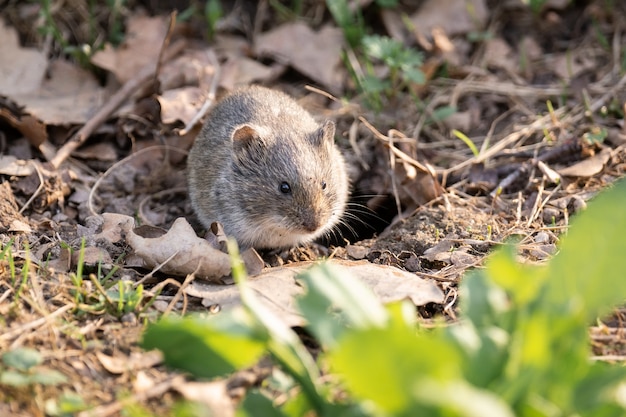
(267, 171)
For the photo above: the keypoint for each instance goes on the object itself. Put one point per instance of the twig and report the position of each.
(37, 191)
(35, 323)
(210, 97)
(92, 192)
(116, 406)
(113, 104)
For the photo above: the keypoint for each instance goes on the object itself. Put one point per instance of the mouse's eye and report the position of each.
(285, 188)
(323, 185)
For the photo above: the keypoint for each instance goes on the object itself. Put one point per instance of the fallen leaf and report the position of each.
(101, 151)
(193, 67)
(70, 95)
(181, 104)
(499, 54)
(137, 360)
(22, 70)
(453, 16)
(142, 44)
(213, 394)
(32, 129)
(587, 167)
(315, 54)
(181, 252)
(277, 288)
(10, 165)
(241, 70)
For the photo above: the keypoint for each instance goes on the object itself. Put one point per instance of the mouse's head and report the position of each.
(294, 185)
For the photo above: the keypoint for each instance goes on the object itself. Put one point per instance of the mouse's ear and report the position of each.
(246, 136)
(325, 134)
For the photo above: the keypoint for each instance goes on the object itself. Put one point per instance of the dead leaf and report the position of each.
(22, 69)
(192, 68)
(453, 16)
(101, 151)
(70, 95)
(241, 70)
(10, 165)
(181, 104)
(315, 54)
(277, 287)
(213, 394)
(92, 256)
(587, 167)
(143, 40)
(137, 360)
(499, 54)
(181, 251)
(32, 129)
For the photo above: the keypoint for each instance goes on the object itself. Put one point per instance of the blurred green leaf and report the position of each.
(207, 347)
(587, 275)
(14, 379)
(22, 359)
(334, 300)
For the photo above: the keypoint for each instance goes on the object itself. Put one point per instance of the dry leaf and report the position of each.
(181, 251)
(241, 70)
(142, 44)
(137, 360)
(10, 165)
(453, 16)
(180, 104)
(32, 129)
(22, 69)
(213, 394)
(277, 288)
(70, 95)
(315, 54)
(587, 167)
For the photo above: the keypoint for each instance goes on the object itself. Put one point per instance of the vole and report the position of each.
(267, 171)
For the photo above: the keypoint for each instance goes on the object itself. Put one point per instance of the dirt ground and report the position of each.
(541, 95)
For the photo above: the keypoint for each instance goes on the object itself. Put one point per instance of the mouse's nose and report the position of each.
(310, 220)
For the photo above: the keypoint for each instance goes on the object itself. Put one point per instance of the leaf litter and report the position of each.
(540, 96)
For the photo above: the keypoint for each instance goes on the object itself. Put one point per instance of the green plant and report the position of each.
(213, 12)
(22, 367)
(402, 63)
(116, 297)
(91, 40)
(521, 347)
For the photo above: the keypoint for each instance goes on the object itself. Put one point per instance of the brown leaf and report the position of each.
(180, 104)
(241, 70)
(10, 165)
(315, 54)
(32, 129)
(277, 287)
(213, 394)
(22, 69)
(144, 37)
(453, 16)
(587, 167)
(137, 360)
(70, 95)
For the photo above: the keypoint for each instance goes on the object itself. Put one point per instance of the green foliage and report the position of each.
(402, 63)
(521, 348)
(22, 368)
(68, 404)
(116, 297)
(213, 12)
(53, 27)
